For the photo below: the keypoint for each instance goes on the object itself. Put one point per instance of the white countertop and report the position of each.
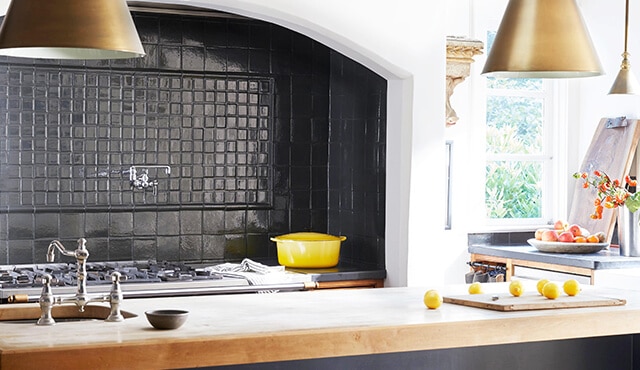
(229, 329)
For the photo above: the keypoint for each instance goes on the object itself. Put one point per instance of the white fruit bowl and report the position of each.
(561, 247)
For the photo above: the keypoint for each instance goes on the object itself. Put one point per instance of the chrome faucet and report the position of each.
(81, 254)
(81, 298)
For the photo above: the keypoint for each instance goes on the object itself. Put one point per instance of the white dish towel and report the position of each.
(254, 272)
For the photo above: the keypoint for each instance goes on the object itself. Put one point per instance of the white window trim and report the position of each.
(483, 14)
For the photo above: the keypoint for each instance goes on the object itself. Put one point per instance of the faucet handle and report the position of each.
(46, 302)
(115, 298)
(117, 277)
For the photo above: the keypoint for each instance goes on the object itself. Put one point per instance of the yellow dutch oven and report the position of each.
(308, 249)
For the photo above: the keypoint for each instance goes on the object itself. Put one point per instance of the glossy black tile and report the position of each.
(4, 252)
(21, 251)
(144, 249)
(145, 223)
(21, 227)
(238, 34)
(259, 61)
(46, 225)
(170, 30)
(193, 58)
(215, 59)
(213, 247)
(170, 57)
(237, 60)
(235, 247)
(246, 112)
(121, 224)
(259, 246)
(4, 228)
(235, 221)
(190, 222)
(215, 33)
(168, 223)
(191, 248)
(121, 249)
(193, 30)
(168, 248)
(98, 249)
(147, 27)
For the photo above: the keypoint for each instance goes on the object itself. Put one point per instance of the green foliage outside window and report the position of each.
(514, 125)
(513, 187)
(513, 190)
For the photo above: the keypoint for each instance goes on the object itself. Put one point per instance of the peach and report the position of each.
(560, 225)
(549, 236)
(593, 239)
(576, 230)
(539, 232)
(580, 239)
(565, 237)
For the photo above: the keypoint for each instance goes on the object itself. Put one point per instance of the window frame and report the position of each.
(486, 17)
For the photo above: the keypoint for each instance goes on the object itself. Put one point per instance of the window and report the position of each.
(520, 131)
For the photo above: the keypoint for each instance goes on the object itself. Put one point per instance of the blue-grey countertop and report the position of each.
(605, 259)
(342, 272)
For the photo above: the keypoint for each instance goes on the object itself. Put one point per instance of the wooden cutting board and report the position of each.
(612, 150)
(531, 301)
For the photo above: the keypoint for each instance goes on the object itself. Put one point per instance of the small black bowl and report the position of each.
(167, 319)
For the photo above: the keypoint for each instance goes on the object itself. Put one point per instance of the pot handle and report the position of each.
(342, 238)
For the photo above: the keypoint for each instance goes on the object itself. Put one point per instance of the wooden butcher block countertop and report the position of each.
(250, 328)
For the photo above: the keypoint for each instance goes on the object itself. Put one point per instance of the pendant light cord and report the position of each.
(626, 27)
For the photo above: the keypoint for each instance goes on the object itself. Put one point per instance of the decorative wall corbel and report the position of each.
(460, 52)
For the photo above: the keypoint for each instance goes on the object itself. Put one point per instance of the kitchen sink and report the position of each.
(29, 314)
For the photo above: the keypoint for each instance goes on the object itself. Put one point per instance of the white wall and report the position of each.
(606, 24)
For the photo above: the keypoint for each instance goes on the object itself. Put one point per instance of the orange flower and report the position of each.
(609, 193)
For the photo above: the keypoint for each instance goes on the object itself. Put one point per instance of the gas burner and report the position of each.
(99, 273)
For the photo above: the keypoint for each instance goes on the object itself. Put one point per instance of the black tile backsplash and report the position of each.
(265, 130)
(499, 238)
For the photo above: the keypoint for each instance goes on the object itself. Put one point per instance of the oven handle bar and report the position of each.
(184, 292)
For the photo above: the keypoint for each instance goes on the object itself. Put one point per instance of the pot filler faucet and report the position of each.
(139, 178)
(81, 298)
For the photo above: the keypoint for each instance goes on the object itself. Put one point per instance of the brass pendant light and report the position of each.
(626, 81)
(69, 29)
(542, 39)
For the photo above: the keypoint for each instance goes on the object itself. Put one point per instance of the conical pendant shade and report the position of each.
(542, 39)
(69, 29)
(626, 81)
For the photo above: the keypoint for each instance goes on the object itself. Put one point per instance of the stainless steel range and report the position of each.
(21, 280)
(137, 279)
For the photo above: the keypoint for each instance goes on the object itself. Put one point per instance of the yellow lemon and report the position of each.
(475, 288)
(571, 287)
(551, 290)
(516, 288)
(432, 299)
(541, 284)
